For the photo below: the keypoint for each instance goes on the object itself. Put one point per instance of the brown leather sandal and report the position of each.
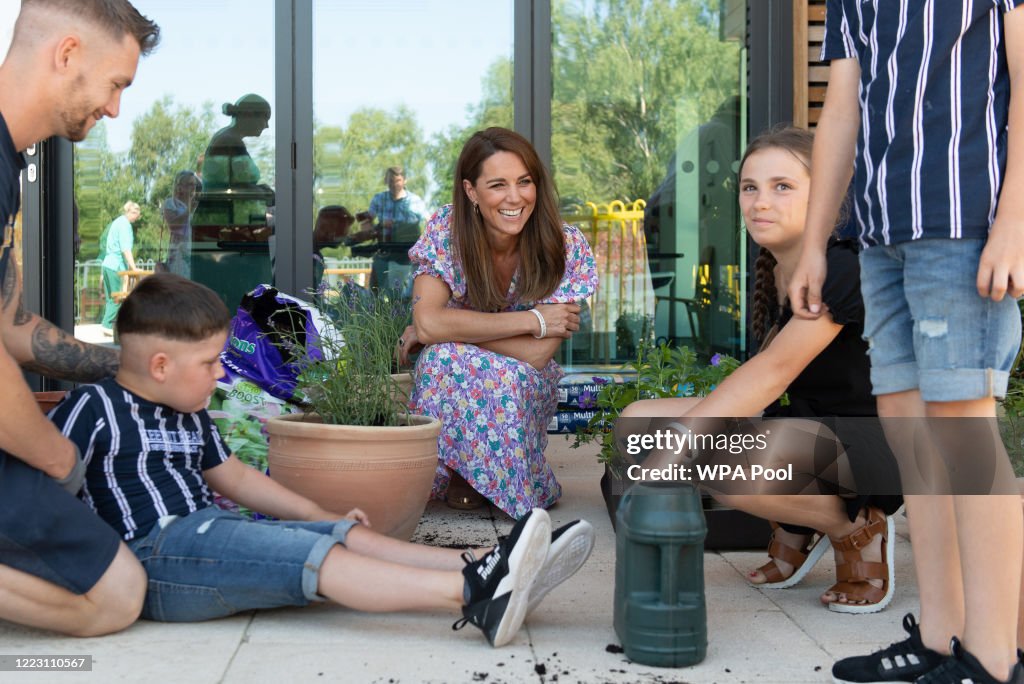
(853, 572)
(802, 560)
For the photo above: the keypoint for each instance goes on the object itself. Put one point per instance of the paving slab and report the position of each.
(755, 635)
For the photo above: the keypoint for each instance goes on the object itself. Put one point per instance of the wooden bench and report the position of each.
(129, 279)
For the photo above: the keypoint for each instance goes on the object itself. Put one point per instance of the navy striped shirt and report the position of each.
(934, 99)
(143, 460)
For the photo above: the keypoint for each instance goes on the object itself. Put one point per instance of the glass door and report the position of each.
(647, 126)
(193, 149)
(397, 88)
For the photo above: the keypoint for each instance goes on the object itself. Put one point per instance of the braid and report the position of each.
(766, 297)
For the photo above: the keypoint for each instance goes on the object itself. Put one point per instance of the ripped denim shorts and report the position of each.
(926, 326)
(214, 563)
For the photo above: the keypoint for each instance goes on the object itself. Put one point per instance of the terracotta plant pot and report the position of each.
(404, 388)
(47, 400)
(385, 471)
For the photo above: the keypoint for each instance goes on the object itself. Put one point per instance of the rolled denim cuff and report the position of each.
(315, 559)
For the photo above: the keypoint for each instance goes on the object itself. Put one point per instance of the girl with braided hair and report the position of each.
(823, 369)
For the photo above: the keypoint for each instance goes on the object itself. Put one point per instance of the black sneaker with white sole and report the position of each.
(498, 585)
(903, 661)
(571, 545)
(964, 668)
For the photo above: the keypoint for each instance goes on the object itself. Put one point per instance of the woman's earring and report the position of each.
(476, 207)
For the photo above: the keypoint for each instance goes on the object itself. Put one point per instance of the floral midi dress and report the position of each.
(494, 409)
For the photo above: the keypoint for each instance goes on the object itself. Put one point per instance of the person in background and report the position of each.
(117, 256)
(226, 163)
(177, 213)
(395, 215)
(331, 228)
(498, 281)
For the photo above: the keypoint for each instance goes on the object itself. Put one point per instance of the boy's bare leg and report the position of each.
(365, 542)
(931, 521)
(989, 533)
(380, 586)
(1020, 605)
(989, 529)
(110, 606)
(932, 524)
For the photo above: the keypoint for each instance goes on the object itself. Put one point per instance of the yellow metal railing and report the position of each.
(615, 231)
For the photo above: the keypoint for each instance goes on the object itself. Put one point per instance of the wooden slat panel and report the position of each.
(810, 77)
(817, 74)
(800, 62)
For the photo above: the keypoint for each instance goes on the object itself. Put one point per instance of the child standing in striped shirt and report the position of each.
(922, 106)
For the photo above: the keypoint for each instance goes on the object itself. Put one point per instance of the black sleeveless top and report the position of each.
(837, 382)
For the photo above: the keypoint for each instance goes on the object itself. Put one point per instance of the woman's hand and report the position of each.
(562, 320)
(408, 344)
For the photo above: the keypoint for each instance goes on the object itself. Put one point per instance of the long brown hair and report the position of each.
(541, 244)
(798, 142)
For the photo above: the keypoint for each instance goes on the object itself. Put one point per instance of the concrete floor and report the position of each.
(754, 635)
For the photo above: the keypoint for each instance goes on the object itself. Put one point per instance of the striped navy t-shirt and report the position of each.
(934, 98)
(143, 460)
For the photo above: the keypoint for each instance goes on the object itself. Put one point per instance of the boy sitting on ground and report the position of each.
(153, 455)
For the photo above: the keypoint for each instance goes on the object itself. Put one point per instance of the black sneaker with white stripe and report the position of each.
(498, 585)
(571, 545)
(903, 661)
(964, 668)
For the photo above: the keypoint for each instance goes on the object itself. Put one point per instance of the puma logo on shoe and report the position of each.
(487, 568)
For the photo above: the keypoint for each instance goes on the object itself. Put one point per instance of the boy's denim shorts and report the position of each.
(214, 563)
(927, 327)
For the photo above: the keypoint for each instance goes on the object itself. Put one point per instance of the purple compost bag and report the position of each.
(268, 339)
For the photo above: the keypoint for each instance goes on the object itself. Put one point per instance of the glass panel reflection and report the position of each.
(386, 137)
(646, 120)
(193, 147)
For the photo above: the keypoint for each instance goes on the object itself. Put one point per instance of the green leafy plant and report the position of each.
(345, 373)
(1011, 418)
(661, 371)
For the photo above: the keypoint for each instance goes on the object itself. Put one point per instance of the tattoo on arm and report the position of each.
(9, 287)
(59, 355)
(11, 293)
(21, 317)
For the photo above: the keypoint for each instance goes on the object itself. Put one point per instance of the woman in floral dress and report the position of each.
(498, 281)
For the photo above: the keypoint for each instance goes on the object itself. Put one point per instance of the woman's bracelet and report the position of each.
(543, 324)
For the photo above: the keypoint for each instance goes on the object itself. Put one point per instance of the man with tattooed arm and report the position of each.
(61, 567)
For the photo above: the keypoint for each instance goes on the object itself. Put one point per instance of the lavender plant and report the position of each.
(347, 379)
